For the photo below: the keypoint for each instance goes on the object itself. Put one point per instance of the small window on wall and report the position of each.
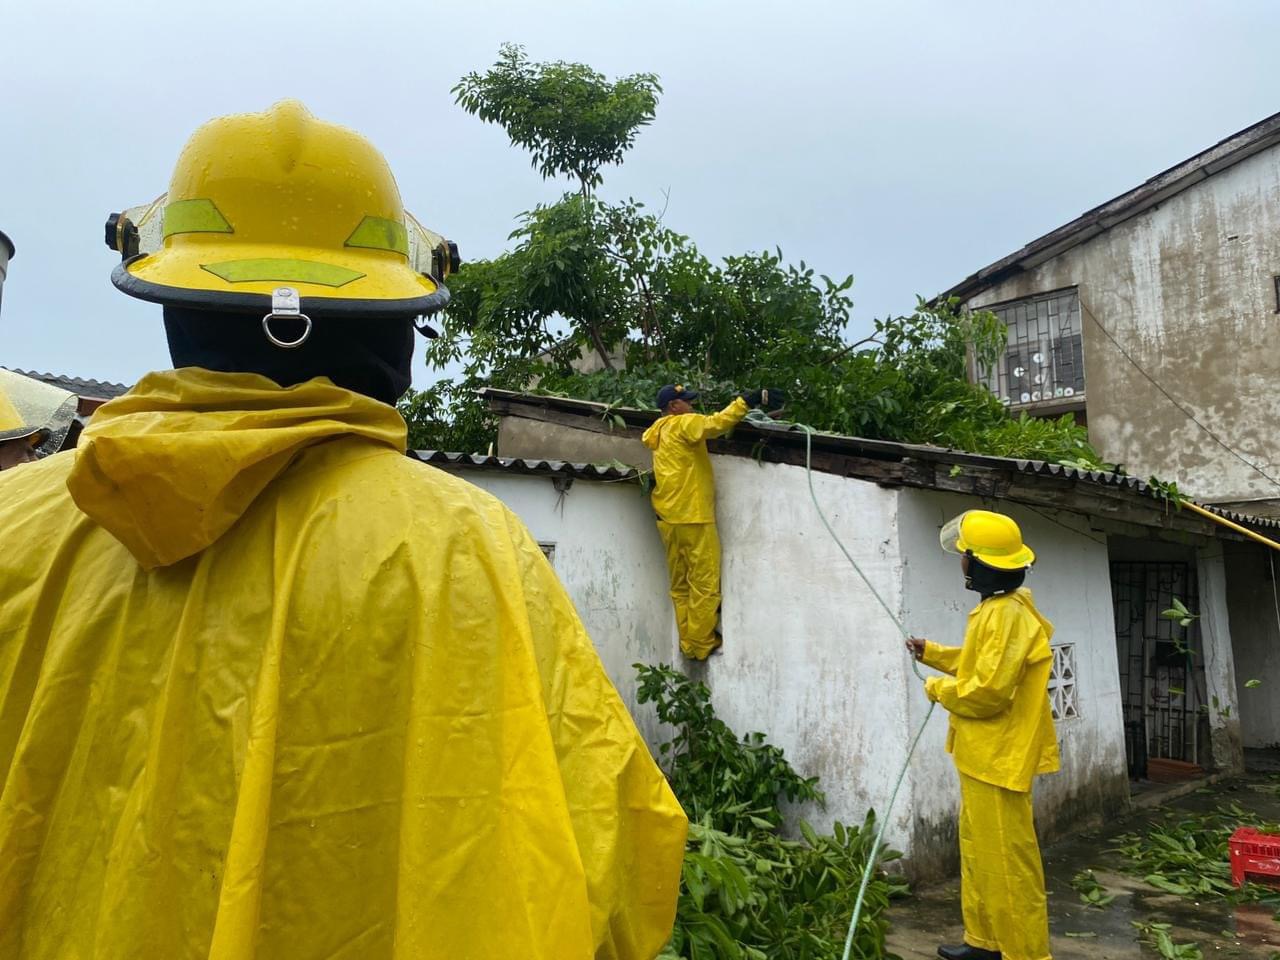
(548, 550)
(1062, 683)
(1044, 359)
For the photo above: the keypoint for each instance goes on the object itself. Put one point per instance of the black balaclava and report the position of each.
(988, 581)
(371, 357)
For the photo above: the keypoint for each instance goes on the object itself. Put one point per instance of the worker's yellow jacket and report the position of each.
(684, 486)
(1001, 725)
(269, 689)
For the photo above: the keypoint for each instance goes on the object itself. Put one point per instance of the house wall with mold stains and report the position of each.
(1187, 290)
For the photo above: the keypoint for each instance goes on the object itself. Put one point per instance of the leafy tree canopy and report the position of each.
(604, 301)
(569, 117)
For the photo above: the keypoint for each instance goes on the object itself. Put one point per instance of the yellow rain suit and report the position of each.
(1001, 738)
(684, 498)
(269, 688)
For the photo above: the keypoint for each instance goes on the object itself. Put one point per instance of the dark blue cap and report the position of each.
(674, 391)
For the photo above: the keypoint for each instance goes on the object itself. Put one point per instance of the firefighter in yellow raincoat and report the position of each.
(1001, 738)
(270, 688)
(34, 418)
(684, 498)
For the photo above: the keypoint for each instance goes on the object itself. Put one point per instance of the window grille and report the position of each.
(1044, 359)
(1062, 683)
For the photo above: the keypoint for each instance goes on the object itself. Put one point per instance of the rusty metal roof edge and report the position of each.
(524, 465)
(832, 442)
(1181, 176)
(108, 389)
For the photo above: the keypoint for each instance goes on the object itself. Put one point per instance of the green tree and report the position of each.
(569, 117)
(588, 277)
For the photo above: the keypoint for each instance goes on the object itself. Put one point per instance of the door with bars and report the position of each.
(1162, 683)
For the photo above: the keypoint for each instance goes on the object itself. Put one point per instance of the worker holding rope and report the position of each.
(685, 501)
(1001, 738)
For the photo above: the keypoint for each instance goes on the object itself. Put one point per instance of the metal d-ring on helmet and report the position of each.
(265, 202)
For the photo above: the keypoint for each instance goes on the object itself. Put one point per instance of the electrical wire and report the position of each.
(1174, 400)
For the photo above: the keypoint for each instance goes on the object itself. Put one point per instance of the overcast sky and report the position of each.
(907, 143)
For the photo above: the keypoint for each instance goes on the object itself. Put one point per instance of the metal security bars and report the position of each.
(1044, 360)
(1162, 683)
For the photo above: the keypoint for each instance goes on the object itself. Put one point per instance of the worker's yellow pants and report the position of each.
(693, 561)
(1001, 876)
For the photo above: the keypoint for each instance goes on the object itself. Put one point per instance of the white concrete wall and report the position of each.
(1072, 587)
(1219, 663)
(810, 658)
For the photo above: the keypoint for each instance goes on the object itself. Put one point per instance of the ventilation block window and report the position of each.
(1062, 683)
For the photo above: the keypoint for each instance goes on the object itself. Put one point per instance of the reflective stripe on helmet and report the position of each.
(379, 233)
(194, 216)
(275, 269)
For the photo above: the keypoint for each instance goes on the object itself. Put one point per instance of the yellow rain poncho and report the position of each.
(269, 689)
(1001, 737)
(684, 498)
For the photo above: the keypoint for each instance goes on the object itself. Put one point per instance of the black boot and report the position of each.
(966, 952)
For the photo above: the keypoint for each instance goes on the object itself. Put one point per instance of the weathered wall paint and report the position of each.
(537, 439)
(1186, 288)
(1253, 598)
(810, 659)
(1219, 665)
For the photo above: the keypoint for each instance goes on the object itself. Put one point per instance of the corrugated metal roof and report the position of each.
(885, 450)
(93, 389)
(550, 468)
(1221, 156)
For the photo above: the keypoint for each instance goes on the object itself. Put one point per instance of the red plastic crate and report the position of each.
(1255, 856)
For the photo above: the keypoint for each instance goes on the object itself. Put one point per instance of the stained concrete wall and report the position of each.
(1219, 664)
(1253, 598)
(538, 439)
(810, 658)
(1071, 583)
(1186, 288)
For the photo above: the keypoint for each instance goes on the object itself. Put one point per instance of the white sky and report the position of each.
(907, 143)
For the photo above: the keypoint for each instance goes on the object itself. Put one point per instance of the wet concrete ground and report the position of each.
(1079, 932)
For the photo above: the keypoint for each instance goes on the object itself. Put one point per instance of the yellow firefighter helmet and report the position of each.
(272, 201)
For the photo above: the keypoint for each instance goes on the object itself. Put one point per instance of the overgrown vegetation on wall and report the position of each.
(612, 282)
(746, 892)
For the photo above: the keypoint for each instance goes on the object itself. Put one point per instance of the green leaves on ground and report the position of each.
(1092, 893)
(1157, 935)
(748, 893)
(1186, 854)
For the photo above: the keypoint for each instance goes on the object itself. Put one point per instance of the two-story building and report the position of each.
(1153, 318)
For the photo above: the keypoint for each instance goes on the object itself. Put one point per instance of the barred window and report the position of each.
(1044, 359)
(1062, 683)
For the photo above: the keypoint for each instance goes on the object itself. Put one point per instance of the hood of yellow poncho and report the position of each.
(170, 466)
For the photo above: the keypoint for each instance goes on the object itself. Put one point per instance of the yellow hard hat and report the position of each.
(272, 201)
(991, 537)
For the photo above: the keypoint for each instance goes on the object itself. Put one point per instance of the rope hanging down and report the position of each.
(765, 422)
